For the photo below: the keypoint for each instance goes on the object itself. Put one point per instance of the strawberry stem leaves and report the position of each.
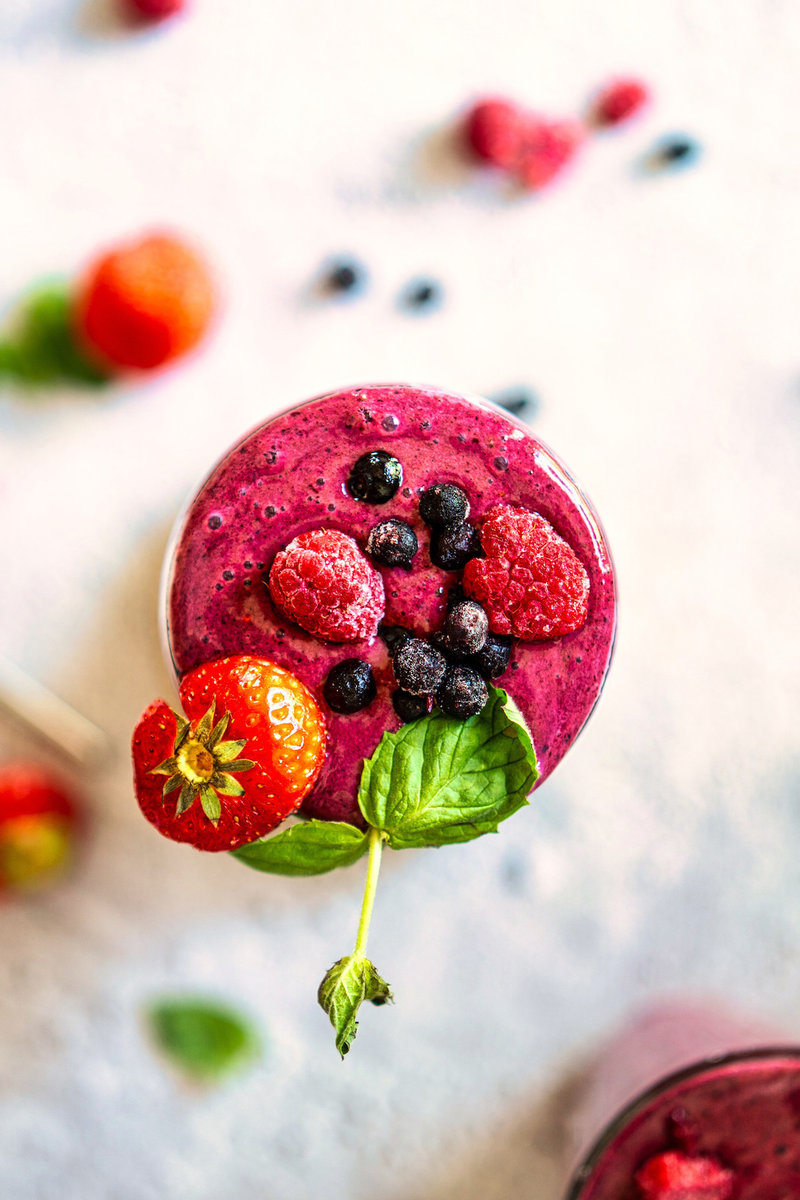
(195, 765)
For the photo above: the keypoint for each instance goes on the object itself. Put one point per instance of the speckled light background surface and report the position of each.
(658, 319)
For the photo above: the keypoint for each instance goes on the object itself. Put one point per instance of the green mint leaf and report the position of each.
(42, 347)
(350, 982)
(438, 781)
(204, 1038)
(308, 848)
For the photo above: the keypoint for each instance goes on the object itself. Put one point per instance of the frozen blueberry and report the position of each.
(493, 657)
(675, 150)
(394, 636)
(408, 706)
(350, 686)
(345, 276)
(465, 628)
(419, 667)
(520, 402)
(393, 543)
(462, 693)
(453, 546)
(375, 477)
(423, 294)
(443, 504)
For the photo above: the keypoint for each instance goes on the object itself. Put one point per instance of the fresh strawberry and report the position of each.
(245, 759)
(37, 823)
(145, 303)
(531, 583)
(677, 1176)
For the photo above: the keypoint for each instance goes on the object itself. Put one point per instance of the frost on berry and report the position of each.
(323, 582)
(531, 583)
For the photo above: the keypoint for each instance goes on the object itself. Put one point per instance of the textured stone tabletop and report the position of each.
(657, 318)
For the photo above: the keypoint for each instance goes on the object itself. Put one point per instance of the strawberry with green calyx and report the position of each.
(38, 820)
(437, 781)
(220, 783)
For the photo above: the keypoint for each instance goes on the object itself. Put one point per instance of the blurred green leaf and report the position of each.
(41, 346)
(203, 1038)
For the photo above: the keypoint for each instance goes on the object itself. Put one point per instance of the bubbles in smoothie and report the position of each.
(390, 422)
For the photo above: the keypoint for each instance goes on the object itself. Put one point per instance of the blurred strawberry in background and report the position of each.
(39, 820)
(145, 303)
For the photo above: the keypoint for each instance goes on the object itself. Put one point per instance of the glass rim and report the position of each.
(582, 1173)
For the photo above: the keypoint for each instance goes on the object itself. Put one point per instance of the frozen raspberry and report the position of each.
(531, 583)
(324, 583)
(618, 101)
(547, 148)
(493, 130)
(676, 1176)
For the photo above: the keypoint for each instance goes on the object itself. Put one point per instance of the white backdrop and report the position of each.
(658, 320)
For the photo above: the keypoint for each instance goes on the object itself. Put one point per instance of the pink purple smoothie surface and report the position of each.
(744, 1113)
(288, 476)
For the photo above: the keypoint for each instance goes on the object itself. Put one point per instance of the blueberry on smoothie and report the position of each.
(465, 628)
(443, 504)
(394, 636)
(462, 693)
(393, 543)
(493, 657)
(453, 546)
(408, 706)
(419, 667)
(375, 477)
(350, 686)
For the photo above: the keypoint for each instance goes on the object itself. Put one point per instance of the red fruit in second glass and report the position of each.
(145, 303)
(156, 10)
(676, 1176)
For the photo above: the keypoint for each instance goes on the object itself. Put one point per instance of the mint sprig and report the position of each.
(436, 782)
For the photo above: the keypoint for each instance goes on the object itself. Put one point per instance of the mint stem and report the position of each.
(370, 887)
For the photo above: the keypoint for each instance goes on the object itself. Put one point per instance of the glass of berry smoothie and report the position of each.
(390, 611)
(712, 1112)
